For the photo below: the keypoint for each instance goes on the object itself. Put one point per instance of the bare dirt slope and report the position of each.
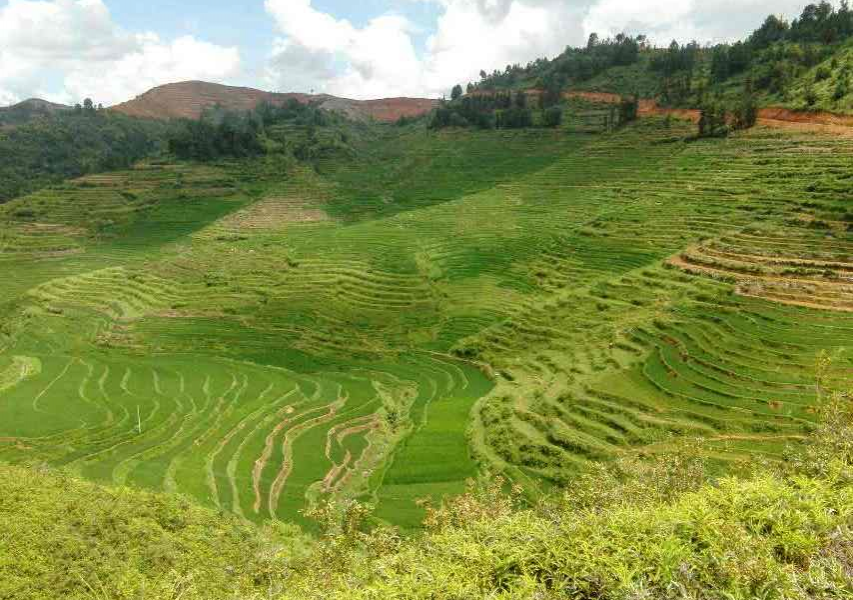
(189, 98)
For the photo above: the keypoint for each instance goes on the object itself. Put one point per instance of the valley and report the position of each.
(582, 328)
(258, 339)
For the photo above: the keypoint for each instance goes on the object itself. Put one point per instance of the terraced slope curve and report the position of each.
(261, 337)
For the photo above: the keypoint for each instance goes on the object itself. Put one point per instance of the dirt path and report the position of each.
(269, 447)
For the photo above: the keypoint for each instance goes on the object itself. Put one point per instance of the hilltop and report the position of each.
(188, 99)
(29, 109)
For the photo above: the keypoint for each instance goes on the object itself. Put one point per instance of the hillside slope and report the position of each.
(805, 65)
(63, 144)
(260, 334)
(189, 98)
(29, 109)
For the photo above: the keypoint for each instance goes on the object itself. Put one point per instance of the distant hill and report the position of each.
(189, 98)
(29, 109)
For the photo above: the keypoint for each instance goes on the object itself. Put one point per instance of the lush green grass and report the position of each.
(260, 335)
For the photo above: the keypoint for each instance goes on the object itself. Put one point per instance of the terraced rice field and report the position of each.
(260, 335)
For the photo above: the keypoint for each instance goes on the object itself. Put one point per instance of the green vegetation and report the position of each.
(531, 109)
(574, 66)
(259, 334)
(620, 340)
(66, 538)
(293, 128)
(655, 527)
(28, 110)
(66, 144)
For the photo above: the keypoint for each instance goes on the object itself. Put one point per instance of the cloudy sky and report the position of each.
(112, 50)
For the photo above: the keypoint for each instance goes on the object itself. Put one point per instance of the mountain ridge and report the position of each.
(37, 104)
(188, 99)
(30, 108)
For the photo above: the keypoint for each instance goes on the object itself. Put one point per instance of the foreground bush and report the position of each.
(65, 538)
(762, 538)
(635, 529)
(641, 529)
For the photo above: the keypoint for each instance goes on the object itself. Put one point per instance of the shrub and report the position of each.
(810, 96)
(514, 118)
(629, 109)
(552, 117)
(841, 89)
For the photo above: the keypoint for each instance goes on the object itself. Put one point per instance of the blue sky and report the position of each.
(113, 50)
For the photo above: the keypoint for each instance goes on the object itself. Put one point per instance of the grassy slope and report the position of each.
(633, 79)
(839, 65)
(255, 340)
(765, 538)
(52, 148)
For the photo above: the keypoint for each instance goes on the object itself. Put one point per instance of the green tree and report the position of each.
(552, 117)
(628, 109)
(842, 88)
(810, 96)
(713, 119)
(456, 93)
(592, 42)
(746, 110)
(720, 68)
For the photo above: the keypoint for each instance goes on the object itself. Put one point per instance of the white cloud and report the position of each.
(331, 55)
(77, 44)
(475, 35)
(65, 50)
(710, 21)
(151, 63)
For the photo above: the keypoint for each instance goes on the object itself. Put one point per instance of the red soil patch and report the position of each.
(813, 118)
(391, 109)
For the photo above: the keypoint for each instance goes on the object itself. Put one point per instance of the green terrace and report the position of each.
(261, 334)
